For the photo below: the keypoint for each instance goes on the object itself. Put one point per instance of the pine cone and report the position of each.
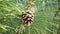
(27, 19)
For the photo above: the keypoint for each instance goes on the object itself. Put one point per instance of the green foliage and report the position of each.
(44, 23)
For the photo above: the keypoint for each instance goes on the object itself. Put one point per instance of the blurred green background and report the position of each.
(47, 17)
